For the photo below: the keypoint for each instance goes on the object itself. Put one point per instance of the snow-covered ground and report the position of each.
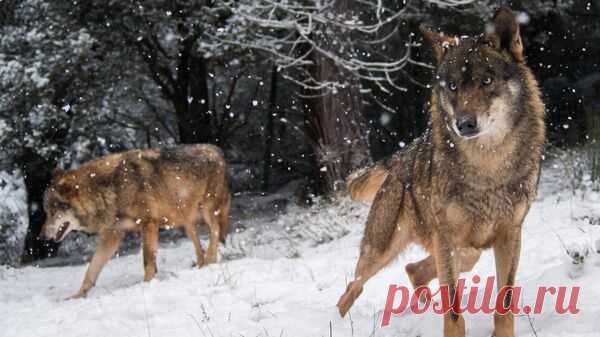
(282, 274)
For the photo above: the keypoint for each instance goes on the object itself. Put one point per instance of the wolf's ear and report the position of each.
(57, 173)
(505, 33)
(440, 42)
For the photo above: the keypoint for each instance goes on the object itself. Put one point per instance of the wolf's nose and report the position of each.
(467, 126)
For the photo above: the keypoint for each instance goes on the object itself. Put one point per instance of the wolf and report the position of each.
(468, 182)
(364, 183)
(142, 191)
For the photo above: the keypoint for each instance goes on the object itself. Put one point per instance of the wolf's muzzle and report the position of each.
(467, 126)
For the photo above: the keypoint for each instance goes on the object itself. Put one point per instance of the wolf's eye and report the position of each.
(62, 206)
(486, 81)
(452, 86)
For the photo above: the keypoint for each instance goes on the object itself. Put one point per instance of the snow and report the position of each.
(282, 273)
(13, 217)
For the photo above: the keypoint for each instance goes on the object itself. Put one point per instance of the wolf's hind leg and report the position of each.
(213, 224)
(192, 233)
(370, 262)
(223, 218)
(108, 243)
(387, 233)
(150, 242)
(422, 272)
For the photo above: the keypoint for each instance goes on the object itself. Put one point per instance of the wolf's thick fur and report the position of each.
(469, 181)
(141, 190)
(364, 183)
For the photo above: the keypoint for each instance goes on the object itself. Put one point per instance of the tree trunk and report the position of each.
(592, 119)
(37, 173)
(7, 12)
(191, 105)
(272, 112)
(334, 118)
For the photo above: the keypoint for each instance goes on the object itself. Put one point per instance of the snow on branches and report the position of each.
(353, 37)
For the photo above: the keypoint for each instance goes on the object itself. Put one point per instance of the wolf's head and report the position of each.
(478, 80)
(61, 217)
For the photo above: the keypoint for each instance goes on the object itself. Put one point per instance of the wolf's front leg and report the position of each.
(447, 272)
(150, 242)
(108, 243)
(507, 249)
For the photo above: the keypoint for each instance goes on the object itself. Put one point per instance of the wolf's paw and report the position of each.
(201, 264)
(209, 259)
(78, 295)
(414, 275)
(149, 275)
(494, 334)
(348, 298)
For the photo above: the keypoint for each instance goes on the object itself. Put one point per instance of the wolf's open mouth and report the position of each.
(61, 231)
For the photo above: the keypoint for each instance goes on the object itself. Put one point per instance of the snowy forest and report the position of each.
(298, 94)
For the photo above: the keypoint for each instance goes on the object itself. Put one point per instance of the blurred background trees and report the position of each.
(299, 91)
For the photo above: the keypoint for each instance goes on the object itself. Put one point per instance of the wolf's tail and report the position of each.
(364, 183)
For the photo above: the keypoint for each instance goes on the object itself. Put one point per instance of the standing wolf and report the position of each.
(469, 181)
(141, 190)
